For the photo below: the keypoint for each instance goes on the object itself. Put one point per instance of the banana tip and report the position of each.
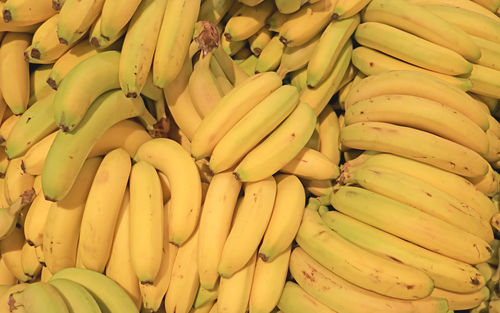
(52, 83)
(63, 41)
(56, 5)
(35, 53)
(7, 16)
(94, 42)
(263, 257)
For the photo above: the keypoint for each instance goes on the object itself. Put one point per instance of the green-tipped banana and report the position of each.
(87, 81)
(76, 296)
(214, 10)
(39, 297)
(70, 149)
(295, 300)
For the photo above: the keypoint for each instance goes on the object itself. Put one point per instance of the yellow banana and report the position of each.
(11, 250)
(460, 301)
(318, 187)
(295, 300)
(17, 182)
(34, 158)
(75, 18)
(253, 127)
(6, 276)
(248, 65)
(203, 88)
(270, 57)
(347, 8)
(220, 77)
(492, 5)
(4, 299)
(36, 218)
(489, 184)
(291, 136)
(214, 10)
(485, 81)
(231, 48)
(76, 296)
(29, 261)
(259, 40)
(329, 131)
(311, 164)
(6, 127)
(247, 21)
(289, 6)
(233, 72)
(139, 45)
(494, 147)
(102, 208)
(299, 79)
(490, 52)
(25, 12)
(205, 296)
(98, 40)
(295, 58)
(39, 88)
(275, 21)
(14, 71)
(463, 4)
(115, 15)
(372, 62)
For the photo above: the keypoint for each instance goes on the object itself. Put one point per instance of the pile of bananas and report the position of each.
(225, 156)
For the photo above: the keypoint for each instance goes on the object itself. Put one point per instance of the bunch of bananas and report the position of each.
(225, 156)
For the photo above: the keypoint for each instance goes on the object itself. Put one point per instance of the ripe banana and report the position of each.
(411, 48)
(6, 276)
(299, 79)
(75, 18)
(39, 297)
(311, 164)
(290, 136)
(34, 224)
(247, 21)
(75, 296)
(184, 180)
(12, 215)
(233, 72)
(329, 48)
(268, 282)
(248, 65)
(102, 208)
(295, 58)
(329, 130)
(60, 237)
(39, 88)
(29, 261)
(447, 273)
(358, 266)
(259, 40)
(230, 109)
(289, 6)
(460, 301)
(4, 299)
(270, 57)
(108, 294)
(205, 296)
(248, 227)
(17, 183)
(173, 40)
(220, 77)
(347, 8)
(26, 12)
(11, 251)
(253, 127)
(14, 71)
(6, 127)
(59, 172)
(139, 45)
(203, 88)
(492, 5)
(115, 15)
(295, 300)
(342, 296)
(275, 21)
(82, 86)
(485, 81)
(463, 4)
(490, 52)
(232, 48)
(214, 10)
(98, 40)
(372, 62)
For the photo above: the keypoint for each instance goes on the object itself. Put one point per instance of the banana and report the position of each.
(289, 6)
(446, 272)
(230, 109)
(45, 46)
(6, 276)
(295, 58)
(98, 40)
(203, 88)
(173, 40)
(93, 76)
(35, 157)
(39, 88)
(358, 266)
(25, 12)
(75, 18)
(184, 281)
(413, 225)
(311, 164)
(489, 184)
(108, 294)
(248, 65)
(259, 40)
(146, 221)
(490, 52)
(329, 131)
(295, 300)
(215, 222)
(463, 4)
(329, 48)
(459, 301)
(342, 296)
(318, 187)
(35, 220)
(60, 237)
(270, 57)
(485, 81)
(115, 15)
(347, 8)
(139, 45)
(14, 71)
(291, 136)
(319, 96)
(285, 219)
(306, 23)
(234, 292)
(247, 21)
(214, 10)
(206, 308)
(372, 62)
(275, 21)
(34, 124)
(253, 127)
(11, 250)
(470, 22)
(248, 227)
(78, 53)
(6, 128)
(220, 77)
(39, 297)
(411, 48)
(29, 262)
(205, 296)
(268, 283)
(251, 3)
(16, 182)
(492, 5)
(231, 48)
(13, 215)
(4, 289)
(4, 299)
(119, 267)
(411, 18)
(179, 101)
(184, 180)
(102, 208)
(58, 174)
(299, 79)
(233, 72)
(75, 296)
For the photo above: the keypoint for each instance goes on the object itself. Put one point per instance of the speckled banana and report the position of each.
(17, 182)
(29, 262)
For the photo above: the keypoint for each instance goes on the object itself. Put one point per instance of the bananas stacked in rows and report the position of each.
(191, 156)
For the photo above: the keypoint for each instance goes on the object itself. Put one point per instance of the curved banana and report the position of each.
(463, 4)
(341, 295)
(447, 273)
(299, 79)
(488, 184)
(4, 299)
(173, 40)
(39, 297)
(311, 164)
(203, 88)
(289, 6)
(6, 127)
(139, 45)
(82, 86)
(420, 85)
(220, 77)
(490, 52)
(14, 71)
(6, 276)
(26, 12)
(205, 296)
(59, 171)
(115, 15)
(485, 81)
(372, 62)
(34, 158)
(229, 110)
(36, 218)
(347, 8)
(253, 127)
(75, 18)
(108, 294)
(290, 136)
(11, 250)
(102, 208)
(249, 226)
(295, 58)
(270, 57)
(460, 301)
(75, 296)
(247, 21)
(232, 70)
(329, 131)
(234, 292)
(17, 182)
(98, 40)
(248, 65)
(29, 262)
(295, 300)
(275, 21)
(259, 40)
(214, 10)
(39, 88)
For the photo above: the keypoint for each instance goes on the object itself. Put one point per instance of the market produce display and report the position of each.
(232, 156)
